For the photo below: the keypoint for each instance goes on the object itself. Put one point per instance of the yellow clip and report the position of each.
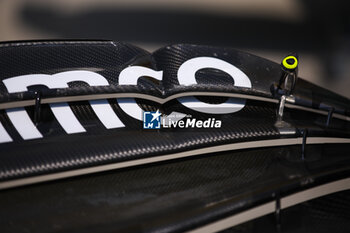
(290, 66)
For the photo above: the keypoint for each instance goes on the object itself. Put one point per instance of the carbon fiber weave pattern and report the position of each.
(171, 196)
(58, 150)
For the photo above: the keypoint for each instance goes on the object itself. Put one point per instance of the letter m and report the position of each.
(64, 115)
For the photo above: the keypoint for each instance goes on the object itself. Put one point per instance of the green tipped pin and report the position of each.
(290, 62)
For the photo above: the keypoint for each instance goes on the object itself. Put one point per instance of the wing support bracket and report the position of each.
(37, 108)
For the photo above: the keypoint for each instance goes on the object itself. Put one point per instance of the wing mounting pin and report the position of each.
(286, 84)
(284, 91)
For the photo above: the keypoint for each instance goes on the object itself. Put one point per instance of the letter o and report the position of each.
(186, 77)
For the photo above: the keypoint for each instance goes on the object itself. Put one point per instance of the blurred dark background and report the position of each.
(318, 30)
